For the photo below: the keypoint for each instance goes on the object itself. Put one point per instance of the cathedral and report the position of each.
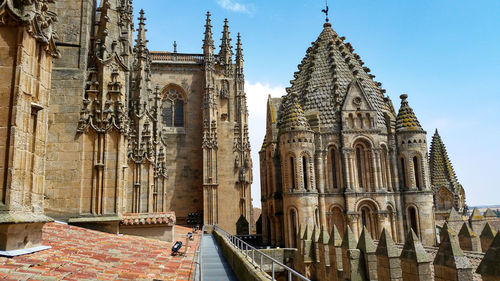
(101, 132)
(336, 153)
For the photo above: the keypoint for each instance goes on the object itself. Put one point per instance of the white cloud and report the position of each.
(234, 6)
(257, 94)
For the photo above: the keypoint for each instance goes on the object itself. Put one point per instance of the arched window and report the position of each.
(413, 219)
(334, 168)
(416, 169)
(316, 217)
(173, 108)
(385, 168)
(304, 172)
(403, 173)
(292, 172)
(293, 228)
(361, 167)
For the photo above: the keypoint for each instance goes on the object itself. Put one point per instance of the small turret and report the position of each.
(208, 42)
(226, 52)
(412, 146)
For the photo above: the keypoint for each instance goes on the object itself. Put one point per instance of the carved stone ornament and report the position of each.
(36, 16)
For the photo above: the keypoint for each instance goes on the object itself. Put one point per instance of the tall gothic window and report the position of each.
(416, 169)
(173, 108)
(359, 166)
(333, 166)
(304, 172)
(293, 227)
(413, 219)
(292, 172)
(403, 173)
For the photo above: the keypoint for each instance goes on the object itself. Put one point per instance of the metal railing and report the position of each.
(249, 252)
(197, 274)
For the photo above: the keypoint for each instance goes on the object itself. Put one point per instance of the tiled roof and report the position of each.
(82, 254)
(406, 119)
(292, 116)
(155, 218)
(324, 75)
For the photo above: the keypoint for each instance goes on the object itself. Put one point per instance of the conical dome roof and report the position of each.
(292, 116)
(324, 75)
(442, 173)
(406, 119)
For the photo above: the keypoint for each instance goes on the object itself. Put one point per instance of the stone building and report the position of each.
(27, 47)
(139, 133)
(132, 141)
(337, 153)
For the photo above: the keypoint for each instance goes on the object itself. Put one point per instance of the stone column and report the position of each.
(353, 221)
(346, 169)
(376, 179)
(320, 179)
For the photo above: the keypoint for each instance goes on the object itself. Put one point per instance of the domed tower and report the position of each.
(296, 141)
(448, 192)
(414, 180)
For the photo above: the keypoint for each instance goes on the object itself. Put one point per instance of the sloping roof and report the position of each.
(292, 116)
(82, 254)
(325, 73)
(442, 173)
(406, 119)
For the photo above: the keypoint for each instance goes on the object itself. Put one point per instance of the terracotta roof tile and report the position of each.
(82, 254)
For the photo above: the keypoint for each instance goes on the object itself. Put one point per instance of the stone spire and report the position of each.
(239, 55)
(442, 173)
(406, 119)
(226, 52)
(141, 33)
(208, 41)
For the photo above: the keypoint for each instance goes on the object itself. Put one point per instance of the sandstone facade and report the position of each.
(337, 153)
(27, 47)
(140, 132)
(132, 141)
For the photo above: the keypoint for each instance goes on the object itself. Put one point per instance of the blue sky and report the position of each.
(443, 53)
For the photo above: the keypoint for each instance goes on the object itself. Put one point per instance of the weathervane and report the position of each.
(326, 10)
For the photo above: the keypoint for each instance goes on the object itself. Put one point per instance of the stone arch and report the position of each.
(368, 210)
(306, 170)
(362, 164)
(413, 218)
(173, 103)
(293, 226)
(444, 199)
(417, 170)
(403, 172)
(334, 168)
(336, 217)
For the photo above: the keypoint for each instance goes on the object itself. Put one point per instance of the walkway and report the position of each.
(214, 265)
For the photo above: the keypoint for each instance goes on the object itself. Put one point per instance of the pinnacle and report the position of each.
(386, 246)
(406, 119)
(366, 243)
(349, 241)
(414, 250)
(335, 238)
(476, 215)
